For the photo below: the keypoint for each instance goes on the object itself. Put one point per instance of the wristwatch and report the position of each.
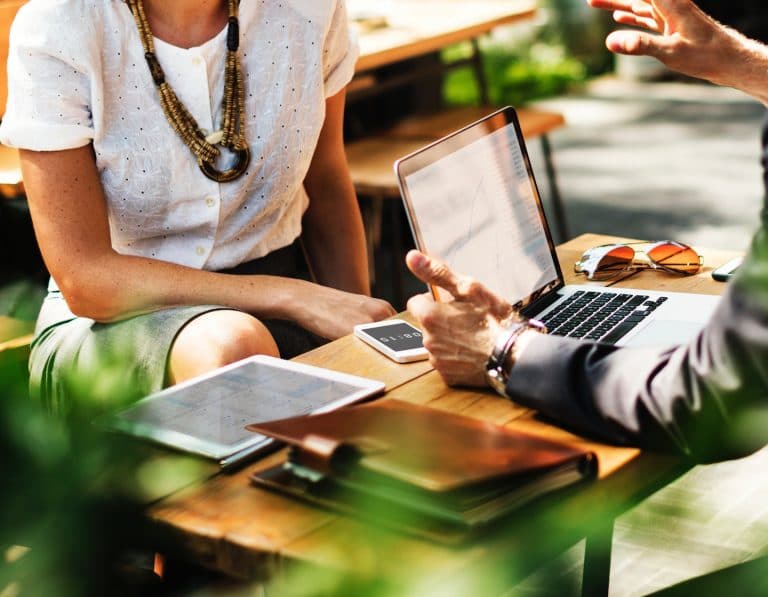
(503, 356)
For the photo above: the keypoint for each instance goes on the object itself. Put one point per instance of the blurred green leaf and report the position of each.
(534, 62)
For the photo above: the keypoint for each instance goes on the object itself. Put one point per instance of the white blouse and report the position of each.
(77, 75)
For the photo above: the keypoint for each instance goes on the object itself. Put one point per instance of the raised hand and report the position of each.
(679, 34)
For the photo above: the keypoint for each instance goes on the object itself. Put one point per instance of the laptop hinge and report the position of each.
(540, 304)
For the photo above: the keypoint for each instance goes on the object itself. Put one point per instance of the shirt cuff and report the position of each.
(44, 137)
(541, 367)
(343, 72)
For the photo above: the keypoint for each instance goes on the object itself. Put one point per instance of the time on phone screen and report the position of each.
(399, 336)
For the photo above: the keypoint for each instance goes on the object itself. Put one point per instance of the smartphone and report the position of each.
(397, 339)
(725, 271)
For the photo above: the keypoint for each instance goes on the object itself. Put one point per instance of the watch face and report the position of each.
(497, 381)
(398, 336)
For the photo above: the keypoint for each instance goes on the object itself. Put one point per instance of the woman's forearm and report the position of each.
(110, 286)
(117, 286)
(333, 232)
(334, 240)
(71, 223)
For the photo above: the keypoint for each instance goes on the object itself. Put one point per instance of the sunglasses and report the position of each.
(608, 261)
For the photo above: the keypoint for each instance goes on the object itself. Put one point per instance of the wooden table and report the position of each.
(418, 27)
(226, 524)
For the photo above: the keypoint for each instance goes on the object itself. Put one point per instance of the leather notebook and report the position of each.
(416, 468)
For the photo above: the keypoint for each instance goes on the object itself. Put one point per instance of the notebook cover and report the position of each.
(417, 446)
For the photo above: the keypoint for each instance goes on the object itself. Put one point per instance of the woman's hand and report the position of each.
(332, 313)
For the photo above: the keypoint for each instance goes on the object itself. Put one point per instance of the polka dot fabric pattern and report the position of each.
(77, 75)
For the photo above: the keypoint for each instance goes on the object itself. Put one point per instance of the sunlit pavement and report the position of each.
(659, 160)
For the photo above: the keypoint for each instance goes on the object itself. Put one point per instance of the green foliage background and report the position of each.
(563, 49)
(70, 509)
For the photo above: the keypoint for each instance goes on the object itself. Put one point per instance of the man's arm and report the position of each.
(707, 399)
(684, 38)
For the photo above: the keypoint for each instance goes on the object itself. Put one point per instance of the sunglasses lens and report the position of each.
(606, 262)
(675, 257)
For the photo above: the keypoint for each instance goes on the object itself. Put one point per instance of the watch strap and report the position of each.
(496, 370)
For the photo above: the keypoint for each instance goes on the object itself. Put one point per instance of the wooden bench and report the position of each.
(10, 170)
(11, 184)
(533, 122)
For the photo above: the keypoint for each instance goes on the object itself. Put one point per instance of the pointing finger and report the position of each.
(433, 271)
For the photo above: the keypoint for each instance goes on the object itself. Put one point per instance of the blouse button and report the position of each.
(197, 61)
(200, 251)
(210, 201)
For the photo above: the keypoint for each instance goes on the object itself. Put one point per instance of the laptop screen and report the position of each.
(472, 201)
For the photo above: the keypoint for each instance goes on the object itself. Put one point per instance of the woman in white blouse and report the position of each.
(170, 262)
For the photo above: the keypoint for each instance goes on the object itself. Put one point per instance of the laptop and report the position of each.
(472, 201)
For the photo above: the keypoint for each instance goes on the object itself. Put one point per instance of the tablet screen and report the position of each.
(209, 415)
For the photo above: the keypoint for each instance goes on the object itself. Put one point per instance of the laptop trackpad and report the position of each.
(664, 333)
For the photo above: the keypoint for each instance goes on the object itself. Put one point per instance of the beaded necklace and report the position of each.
(232, 133)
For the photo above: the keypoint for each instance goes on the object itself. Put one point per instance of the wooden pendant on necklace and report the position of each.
(236, 171)
(207, 149)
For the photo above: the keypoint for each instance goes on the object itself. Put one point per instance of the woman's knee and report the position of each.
(216, 339)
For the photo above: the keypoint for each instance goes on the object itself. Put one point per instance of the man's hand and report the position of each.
(459, 334)
(434, 272)
(681, 36)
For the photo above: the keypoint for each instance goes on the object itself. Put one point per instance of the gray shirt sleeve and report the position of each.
(707, 399)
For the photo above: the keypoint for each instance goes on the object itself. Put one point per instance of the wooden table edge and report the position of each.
(426, 45)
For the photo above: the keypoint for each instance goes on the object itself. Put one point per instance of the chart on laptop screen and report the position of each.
(476, 209)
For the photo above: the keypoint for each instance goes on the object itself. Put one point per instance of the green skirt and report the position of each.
(77, 362)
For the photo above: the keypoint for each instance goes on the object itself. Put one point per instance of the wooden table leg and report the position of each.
(371, 210)
(398, 254)
(597, 561)
(479, 70)
(554, 190)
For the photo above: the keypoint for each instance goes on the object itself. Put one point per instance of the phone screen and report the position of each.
(398, 336)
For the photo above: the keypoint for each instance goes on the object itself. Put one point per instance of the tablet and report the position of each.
(207, 415)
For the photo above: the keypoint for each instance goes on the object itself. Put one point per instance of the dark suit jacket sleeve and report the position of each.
(707, 399)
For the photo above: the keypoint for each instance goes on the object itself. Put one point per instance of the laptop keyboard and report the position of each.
(603, 316)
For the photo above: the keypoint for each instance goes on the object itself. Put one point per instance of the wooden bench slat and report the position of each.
(533, 122)
(371, 163)
(371, 159)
